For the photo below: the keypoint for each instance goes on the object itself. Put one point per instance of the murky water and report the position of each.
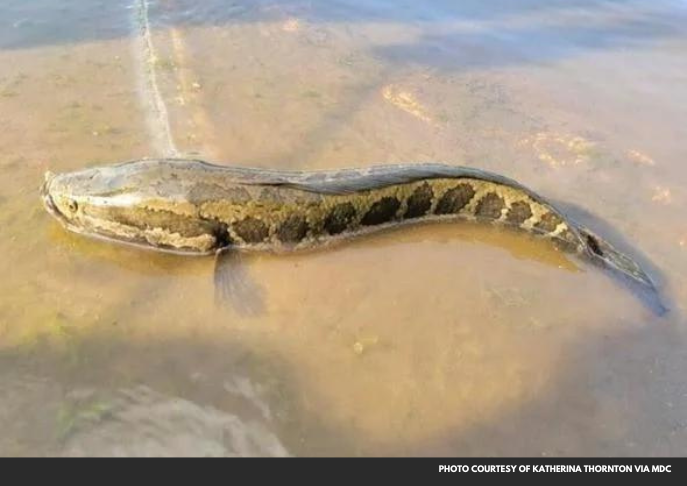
(446, 339)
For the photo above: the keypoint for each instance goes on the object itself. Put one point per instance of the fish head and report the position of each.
(63, 197)
(72, 197)
(133, 203)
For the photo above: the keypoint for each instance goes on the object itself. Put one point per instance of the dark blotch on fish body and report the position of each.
(293, 229)
(519, 212)
(455, 199)
(382, 211)
(339, 218)
(419, 202)
(490, 206)
(548, 222)
(251, 230)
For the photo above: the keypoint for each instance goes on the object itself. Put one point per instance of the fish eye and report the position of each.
(72, 205)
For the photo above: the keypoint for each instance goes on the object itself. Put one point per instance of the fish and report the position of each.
(193, 207)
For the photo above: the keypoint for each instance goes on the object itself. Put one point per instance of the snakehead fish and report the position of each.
(193, 207)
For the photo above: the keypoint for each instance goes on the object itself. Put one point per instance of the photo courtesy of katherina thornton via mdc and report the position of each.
(558, 468)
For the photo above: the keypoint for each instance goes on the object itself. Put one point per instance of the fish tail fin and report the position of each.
(604, 254)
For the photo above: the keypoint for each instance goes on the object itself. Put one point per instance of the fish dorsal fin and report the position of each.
(347, 181)
(350, 180)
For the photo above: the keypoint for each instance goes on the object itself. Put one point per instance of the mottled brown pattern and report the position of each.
(293, 229)
(548, 222)
(419, 202)
(455, 199)
(270, 195)
(490, 206)
(251, 230)
(143, 218)
(519, 212)
(306, 198)
(382, 211)
(192, 206)
(569, 237)
(339, 218)
(202, 191)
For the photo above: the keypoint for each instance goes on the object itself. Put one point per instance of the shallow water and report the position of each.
(451, 339)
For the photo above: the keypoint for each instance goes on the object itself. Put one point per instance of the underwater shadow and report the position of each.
(101, 395)
(616, 395)
(98, 393)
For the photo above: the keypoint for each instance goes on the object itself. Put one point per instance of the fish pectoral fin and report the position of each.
(233, 286)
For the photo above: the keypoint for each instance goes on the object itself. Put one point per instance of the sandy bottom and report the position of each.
(449, 339)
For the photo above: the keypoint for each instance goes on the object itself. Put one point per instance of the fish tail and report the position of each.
(604, 254)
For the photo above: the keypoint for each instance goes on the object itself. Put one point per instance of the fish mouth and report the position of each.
(45, 194)
(48, 202)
